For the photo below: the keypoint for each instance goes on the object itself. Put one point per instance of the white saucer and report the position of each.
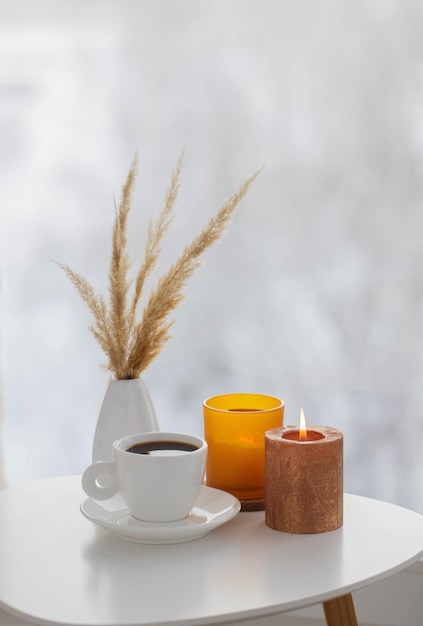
(213, 508)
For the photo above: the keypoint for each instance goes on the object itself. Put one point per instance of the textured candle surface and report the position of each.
(304, 480)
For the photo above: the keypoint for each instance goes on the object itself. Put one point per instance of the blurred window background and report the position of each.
(315, 294)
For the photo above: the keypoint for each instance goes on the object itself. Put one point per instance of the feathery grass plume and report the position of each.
(131, 345)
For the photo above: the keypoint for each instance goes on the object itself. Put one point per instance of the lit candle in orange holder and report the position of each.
(234, 427)
(304, 478)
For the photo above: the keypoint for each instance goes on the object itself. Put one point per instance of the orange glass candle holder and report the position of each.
(234, 427)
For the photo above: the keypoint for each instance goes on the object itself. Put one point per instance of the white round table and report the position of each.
(57, 567)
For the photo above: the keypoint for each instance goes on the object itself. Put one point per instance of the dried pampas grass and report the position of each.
(131, 344)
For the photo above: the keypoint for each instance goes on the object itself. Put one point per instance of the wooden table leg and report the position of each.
(340, 611)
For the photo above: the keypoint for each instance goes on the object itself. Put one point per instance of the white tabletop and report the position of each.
(57, 567)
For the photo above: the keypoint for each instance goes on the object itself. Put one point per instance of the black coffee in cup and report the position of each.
(158, 474)
(164, 446)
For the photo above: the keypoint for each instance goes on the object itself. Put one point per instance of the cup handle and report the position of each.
(99, 481)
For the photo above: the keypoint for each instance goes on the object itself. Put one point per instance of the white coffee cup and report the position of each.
(157, 486)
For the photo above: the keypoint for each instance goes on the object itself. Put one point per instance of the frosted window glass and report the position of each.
(315, 293)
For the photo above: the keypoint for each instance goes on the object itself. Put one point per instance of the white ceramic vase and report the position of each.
(127, 409)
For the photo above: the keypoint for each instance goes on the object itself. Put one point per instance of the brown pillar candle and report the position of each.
(304, 479)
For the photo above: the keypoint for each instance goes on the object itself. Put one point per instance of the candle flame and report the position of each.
(303, 428)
